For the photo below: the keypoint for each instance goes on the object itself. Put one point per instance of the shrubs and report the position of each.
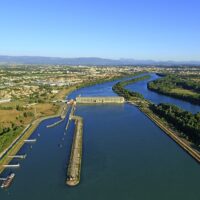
(7, 137)
(28, 114)
(183, 120)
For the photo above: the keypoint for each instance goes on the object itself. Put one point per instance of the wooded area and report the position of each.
(178, 87)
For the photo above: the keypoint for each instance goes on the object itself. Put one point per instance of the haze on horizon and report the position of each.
(135, 29)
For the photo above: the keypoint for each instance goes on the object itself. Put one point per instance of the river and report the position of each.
(125, 156)
(141, 87)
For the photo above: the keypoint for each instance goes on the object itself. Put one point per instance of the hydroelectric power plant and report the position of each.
(99, 100)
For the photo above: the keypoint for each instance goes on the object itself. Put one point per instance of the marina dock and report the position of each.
(54, 124)
(12, 166)
(18, 156)
(30, 141)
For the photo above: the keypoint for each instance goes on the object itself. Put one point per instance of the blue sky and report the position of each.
(139, 29)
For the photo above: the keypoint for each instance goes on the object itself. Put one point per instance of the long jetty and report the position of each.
(74, 166)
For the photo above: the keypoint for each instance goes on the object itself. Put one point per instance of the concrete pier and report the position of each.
(30, 141)
(98, 100)
(11, 166)
(74, 167)
(18, 156)
(54, 124)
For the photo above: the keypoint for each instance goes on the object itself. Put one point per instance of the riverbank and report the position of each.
(176, 136)
(144, 106)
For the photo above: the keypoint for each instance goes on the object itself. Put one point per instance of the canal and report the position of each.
(125, 156)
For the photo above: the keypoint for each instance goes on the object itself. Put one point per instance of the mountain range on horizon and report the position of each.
(4, 59)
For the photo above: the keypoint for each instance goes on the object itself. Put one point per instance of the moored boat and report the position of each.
(7, 182)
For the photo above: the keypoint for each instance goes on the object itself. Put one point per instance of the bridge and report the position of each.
(99, 100)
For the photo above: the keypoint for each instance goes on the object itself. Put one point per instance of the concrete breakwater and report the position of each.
(74, 166)
(97, 100)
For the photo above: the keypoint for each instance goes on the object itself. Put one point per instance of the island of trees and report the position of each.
(184, 88)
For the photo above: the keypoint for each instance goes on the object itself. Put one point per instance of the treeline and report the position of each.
(167, 84)
(119, 88)
(103, 80)
(8, 134)
(190, 85)
(184, 121)
(4, 130)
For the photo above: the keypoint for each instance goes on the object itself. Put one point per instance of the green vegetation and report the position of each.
(7, 135)
(183, 121)
(178, 87)
(127, 94)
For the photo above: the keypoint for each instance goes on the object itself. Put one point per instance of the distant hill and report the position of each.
(86, 61)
